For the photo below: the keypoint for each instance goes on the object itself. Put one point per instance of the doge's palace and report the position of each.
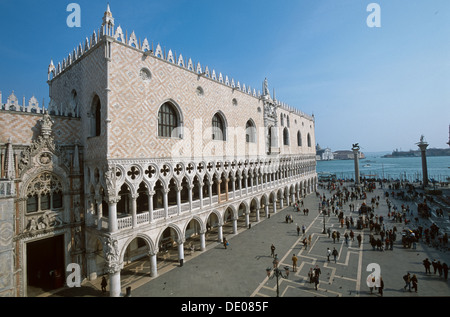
(140, 152)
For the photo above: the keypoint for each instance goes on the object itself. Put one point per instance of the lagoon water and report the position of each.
(409, 168)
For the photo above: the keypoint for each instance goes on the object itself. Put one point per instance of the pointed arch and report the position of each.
(286, 136)
(219, 127)
(170, 120)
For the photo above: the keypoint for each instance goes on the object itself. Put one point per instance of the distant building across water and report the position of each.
(327, 155)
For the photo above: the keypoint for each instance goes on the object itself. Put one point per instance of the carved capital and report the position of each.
(113, 199)
(113, 267)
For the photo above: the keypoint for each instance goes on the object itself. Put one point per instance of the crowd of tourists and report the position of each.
(382, 238)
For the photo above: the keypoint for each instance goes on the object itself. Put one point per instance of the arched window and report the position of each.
(96, 116)
(287, 122)
(299, 138)
(168, 120)
(218, 127)
(269, 139)
(281, 119)
(286, 136)
(309, 140)
(44, 193)
(250, 132)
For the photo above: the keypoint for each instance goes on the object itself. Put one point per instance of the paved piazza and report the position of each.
(240, 270)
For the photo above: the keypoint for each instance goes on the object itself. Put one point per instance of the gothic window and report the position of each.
(286, 136)
(44, 193)
(281, 120)
(96, 116)
(250, 132)
(218, 127)
(309, 140)
(287, 122)
(168, 120)
(299, 138)
(32, 203)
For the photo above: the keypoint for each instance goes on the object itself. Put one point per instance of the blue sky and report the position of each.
(381, 87)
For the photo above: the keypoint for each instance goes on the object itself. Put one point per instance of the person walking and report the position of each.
(316, 281)
(104, 284)
(439, 267)
(335, 253)
(294, 263)
(275, 261)
(445, 270)
(272, 250)
(407, 279)
(427, 265)
(381, 287)
(311, 275)
(305, 243)
(328, 254)
(414, 282)
(359, 238)
(225, 243)
(434, 263)
(298, 230)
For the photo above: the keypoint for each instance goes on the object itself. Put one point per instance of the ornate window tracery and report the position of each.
(44, 193)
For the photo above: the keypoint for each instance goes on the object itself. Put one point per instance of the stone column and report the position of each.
(112, 209)
(114, 279)
(240, 185)
(257, 214)
(226, 188)
(247, 219)
(181, 251)
(233, 186)
(220, 233)
(246, 183)
(210, 192)
(166, 202)
(202, 241)
(98, 201)
(356, 159)
(153, 264)
(190, 187)
(266, 209)
(234, 220)
(218, 182)
(200, 193)
(134, 210)
(150, 206)
(179, 189)
(423, 149)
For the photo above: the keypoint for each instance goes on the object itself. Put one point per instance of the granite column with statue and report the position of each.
(355, 149)
(423, 149)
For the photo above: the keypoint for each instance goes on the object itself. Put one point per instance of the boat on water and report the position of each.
(367, 165)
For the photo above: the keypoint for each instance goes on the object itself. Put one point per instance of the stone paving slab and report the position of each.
(240, 270)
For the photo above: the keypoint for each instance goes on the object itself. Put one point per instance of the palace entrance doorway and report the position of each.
(45, 265)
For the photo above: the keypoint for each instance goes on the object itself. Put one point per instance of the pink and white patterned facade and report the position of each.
(121, 182)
